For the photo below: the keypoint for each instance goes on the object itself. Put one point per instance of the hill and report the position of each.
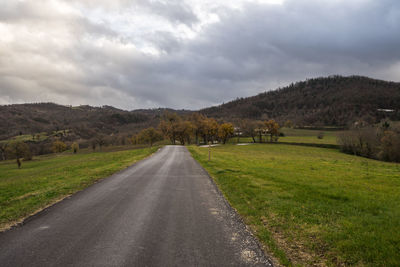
(83, 122)
(334, 100)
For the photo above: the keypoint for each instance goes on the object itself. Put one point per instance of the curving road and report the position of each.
(162, 211)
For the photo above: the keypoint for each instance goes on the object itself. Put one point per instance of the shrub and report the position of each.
(58, 146)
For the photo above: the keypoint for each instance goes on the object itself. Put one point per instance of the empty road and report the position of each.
(162, 211)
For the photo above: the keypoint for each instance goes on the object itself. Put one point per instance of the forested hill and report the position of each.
(334, 100)
(83, 121)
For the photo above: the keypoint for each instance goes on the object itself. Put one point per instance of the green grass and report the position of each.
(330, 140)
(46, 179)
(308, 136)
(38, 137)
(26, 137)
(312, 205)
(305, 136)
(306, 132)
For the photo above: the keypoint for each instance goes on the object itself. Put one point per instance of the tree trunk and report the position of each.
(3, 154)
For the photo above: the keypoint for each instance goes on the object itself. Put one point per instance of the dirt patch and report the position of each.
(27, 195)
(244, 144)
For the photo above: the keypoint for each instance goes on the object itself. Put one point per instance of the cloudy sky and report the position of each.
(189, 53)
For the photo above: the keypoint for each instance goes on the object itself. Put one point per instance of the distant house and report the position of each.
(237, 131)
(385, 110)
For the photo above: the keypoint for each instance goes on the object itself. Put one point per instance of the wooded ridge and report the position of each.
(333, 101)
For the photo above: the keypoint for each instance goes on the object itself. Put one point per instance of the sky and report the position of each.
(187, 54)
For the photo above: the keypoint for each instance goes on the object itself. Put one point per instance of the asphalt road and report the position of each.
(162, 211)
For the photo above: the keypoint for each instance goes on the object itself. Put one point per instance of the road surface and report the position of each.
(162, 211)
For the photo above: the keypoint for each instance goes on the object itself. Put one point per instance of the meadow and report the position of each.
(312, 206)
(299, 136)
(47, 179)
(308, 136)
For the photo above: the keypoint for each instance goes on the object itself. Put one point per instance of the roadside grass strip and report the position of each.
(312, 206)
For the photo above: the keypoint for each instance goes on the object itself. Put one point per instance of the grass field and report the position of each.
(312, 205)
(305, 136)
(46, 179)
(308, 136)
(37, 137)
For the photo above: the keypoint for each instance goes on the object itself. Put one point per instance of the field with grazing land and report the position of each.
(46, 179)
(312, 205)
(305, 136)
(308, 136)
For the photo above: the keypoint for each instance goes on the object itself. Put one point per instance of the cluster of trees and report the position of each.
(194, 128)
(258, 129)
(147, 136)
(378, 142)
(198, 128)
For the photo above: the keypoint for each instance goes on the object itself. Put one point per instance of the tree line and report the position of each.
(193, 129)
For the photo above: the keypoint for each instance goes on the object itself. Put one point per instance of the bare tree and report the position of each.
(248, 128)
(101, 140)
(3, 148)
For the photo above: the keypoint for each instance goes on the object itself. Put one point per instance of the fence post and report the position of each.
(209, 151)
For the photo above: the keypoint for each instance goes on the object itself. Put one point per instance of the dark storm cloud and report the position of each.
(250, 49)
(311, 34)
